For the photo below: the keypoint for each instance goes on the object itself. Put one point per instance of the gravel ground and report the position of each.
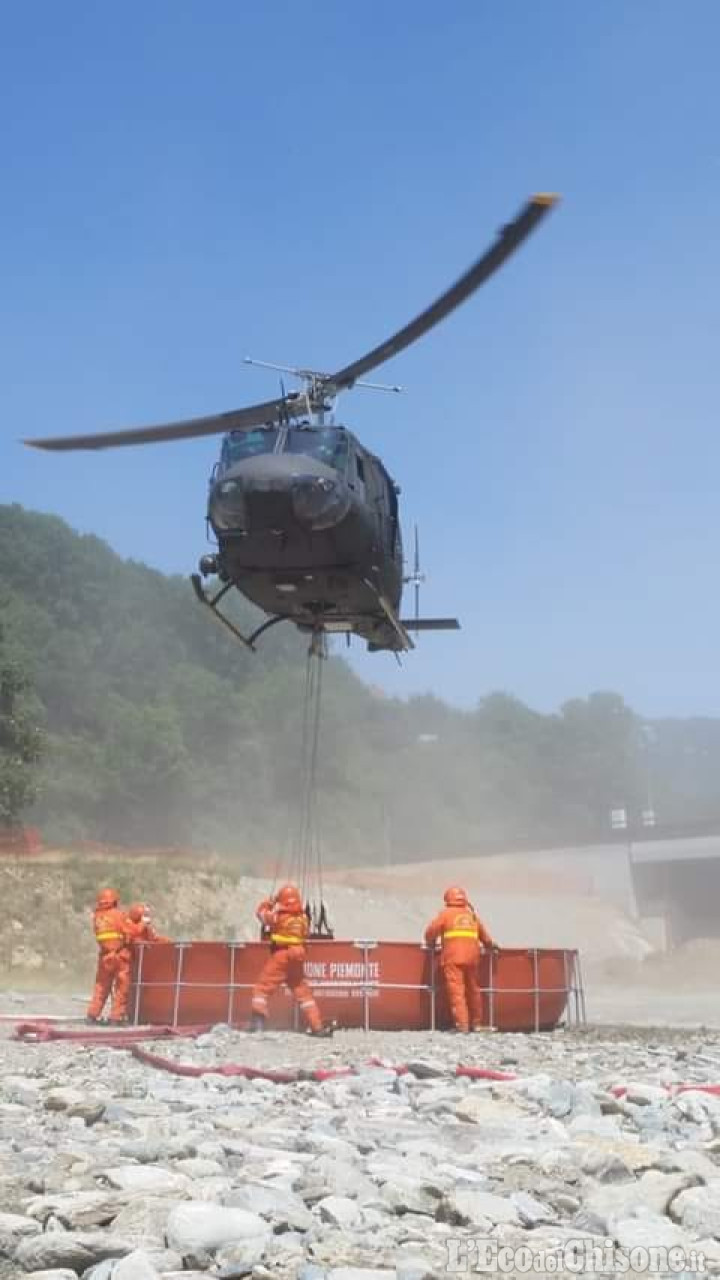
(113, 1170)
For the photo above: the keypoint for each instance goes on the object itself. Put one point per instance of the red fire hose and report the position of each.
(130, 1038)
(619, 1090)
(120, 1038)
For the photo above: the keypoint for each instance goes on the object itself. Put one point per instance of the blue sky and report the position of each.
(185, 183)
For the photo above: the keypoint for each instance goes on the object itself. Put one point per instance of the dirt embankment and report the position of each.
(46, 936)
(46, 921)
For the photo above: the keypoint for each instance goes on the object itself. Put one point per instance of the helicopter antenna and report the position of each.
(416, 570)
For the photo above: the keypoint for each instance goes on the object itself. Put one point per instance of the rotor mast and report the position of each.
(319, 393)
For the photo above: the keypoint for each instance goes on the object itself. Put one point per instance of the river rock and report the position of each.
(89, 1109)
(360, 1273)
(649, 1229)
(639, 1094)
(652, 1193)
(63, 1099)
(698, 1209)
(340, 1211)
(62, 1273)
(193, 1226)
(147, 1178)
(605, 1166)
(477, 1209)
(78, 1209)
(235, 1260)
(13, 1226)
(404, 1196)
(532, 1212)
(284, 1209)
(74, 1250)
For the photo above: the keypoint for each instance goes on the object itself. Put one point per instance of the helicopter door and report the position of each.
(356, 475)
(378, 498)
(387, 507)
(392, 492)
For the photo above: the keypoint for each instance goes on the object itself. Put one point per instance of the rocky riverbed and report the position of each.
(111, 1169)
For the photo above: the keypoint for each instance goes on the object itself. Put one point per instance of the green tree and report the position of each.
(602, 757)
(20, 739)
(161, 729)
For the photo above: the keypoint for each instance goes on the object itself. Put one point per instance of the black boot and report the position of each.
(325, 1032)
(257, 1022)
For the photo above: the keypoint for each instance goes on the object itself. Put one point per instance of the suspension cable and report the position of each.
(304, 862)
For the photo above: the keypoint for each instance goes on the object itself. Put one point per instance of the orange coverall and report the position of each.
(461, 933)
(140, 929)
(288, 932)
(112, 977)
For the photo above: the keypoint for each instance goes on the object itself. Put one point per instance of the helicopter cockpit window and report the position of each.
(329, 446)
(246, 444)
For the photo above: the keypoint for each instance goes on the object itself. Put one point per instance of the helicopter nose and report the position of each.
(276, 492)
(227, 507)
(319, 501)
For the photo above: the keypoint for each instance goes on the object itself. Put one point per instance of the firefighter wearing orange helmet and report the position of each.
(284, 921)
(140, 927)
(461, 934)
(112, 977)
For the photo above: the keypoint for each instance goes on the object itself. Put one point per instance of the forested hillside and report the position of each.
(161, 730)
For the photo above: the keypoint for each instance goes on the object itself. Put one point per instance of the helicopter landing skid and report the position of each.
(212, 602)
(395, 623)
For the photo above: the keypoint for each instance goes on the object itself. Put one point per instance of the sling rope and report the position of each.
(305, 857)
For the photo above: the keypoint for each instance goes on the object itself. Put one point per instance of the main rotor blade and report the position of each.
(510, 237)
(273, 411)
(256, 415)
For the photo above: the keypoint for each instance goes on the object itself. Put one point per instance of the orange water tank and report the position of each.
(393, 986)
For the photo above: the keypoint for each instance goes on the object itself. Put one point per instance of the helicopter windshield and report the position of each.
(246, 444)
(327, 444)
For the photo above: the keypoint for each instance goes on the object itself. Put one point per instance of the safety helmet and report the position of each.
(138, 912)
(106, 899)
(289, 897)
(455, 896)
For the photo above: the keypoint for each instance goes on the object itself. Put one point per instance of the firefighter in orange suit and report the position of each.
(112, 978)
(283, 917)
(140, 927)
(461, 935)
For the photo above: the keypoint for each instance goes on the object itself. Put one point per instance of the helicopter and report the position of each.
(306, 519)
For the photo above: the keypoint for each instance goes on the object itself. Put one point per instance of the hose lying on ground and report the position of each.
(130, 1038)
